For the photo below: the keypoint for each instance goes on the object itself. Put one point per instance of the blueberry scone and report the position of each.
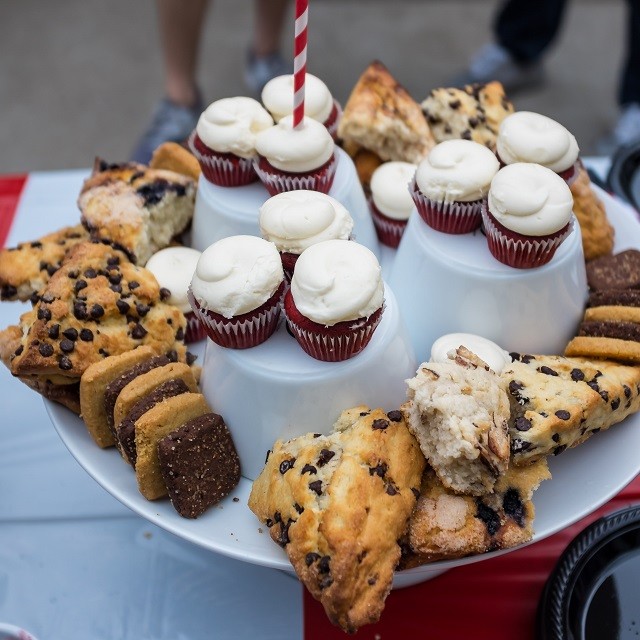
(445, 525)
(137, 208)
(338, 505)
(27, 267)
(559, 402)
(471, 113)
(459, 411)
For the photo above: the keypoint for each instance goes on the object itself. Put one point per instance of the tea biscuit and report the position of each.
(619, 271)
(559, 402)
(93, 386)
(174, 157)
(338, 505)
(606, 348)
(444, 525)
(614, 314)
(26, 268)
(199, 464)
(151, 427)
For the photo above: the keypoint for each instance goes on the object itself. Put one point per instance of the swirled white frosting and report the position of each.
(390, 189)
(277, 97)
(173, 268)
(337, 280)
(296, 150)
(236, 275)
(457, 170)
(531, 137)
(294, 220)
(230, 125)
(496, 357)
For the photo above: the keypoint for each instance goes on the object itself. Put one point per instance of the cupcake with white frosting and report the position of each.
(319, 104)
(173, 268)
(390, 201)
(525, 136)
(489, 352)
(336, 299)
(528, 214)
(295, 220)
(451, 184)
(290, 159)
(224, 140)
(236, 291)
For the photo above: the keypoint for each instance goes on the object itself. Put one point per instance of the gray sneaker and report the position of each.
(170, 123)
(260, 69)
(625, 132)
(494, 62)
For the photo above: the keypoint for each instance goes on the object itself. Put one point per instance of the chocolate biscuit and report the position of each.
(617, 330)
(619, 271)
(615, 297)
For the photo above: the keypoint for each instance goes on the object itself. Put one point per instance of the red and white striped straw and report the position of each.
(300, 60)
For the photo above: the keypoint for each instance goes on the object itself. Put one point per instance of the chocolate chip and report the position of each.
(90, 273)
(34, 298)
(283, 537)
(116, 288)
(615, 404)
(64, 363)
(44, 314)
(123, 307)
(316, 486)
(627, 391)
(379, 470)
(86, 335)
(514, 507)
(54, 331)
(66, 345)
(298, 508)
(45, 349)
(97, 311)
(416, 492)
(142, 309)
(165, 294)
(455, 104)
(80, 310)
(37, 244)
(285, 465)
(518, 446)
(73, 274)
(523, 424)
(466, 134)
(324, 564)
(19, 350)
(548, 371)
(489, 517)
(364, 413)
(113, 260)
(114, 277)
(325, 456)
(71, 333)
(180, 334)
(172, 355)
(558, 450)
(556, 437)
(133, 285)
(191, 358)
(577, 375)
(326, 582)
(372, 580)
(80, 285)
(395, 416)
(138, 332)
(562, 414)
(8, 291)
(391, 490)
(380, 424)
(103, 352)
(308, 468)
(311, 557)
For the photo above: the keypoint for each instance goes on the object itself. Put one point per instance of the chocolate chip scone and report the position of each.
(338, 505)
(26, 268)
(135, 207)
(458, 411)
(559, 402)
(382, 117)
(472, 113)
(445, 525)
(96, 305)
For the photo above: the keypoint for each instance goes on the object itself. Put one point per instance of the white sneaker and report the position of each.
(494, 62)
(625, 132)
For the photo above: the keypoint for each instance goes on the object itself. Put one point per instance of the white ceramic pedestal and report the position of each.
(451, 283)
(276, 391)
(227, 211)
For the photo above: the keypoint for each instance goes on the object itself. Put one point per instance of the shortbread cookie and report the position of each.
(472, 113)
(96, 305)
(137, 208)
(458, 410)
(338, 505)
(622, 349)
(559, 402)
(596, 231)
(444, 525)
(151, 427)
(199, 464)
(382, 117)
(619, 271)
(93, 386)
(26, 268)
(174, 157)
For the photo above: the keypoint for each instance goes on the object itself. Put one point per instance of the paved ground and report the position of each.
(80, 77)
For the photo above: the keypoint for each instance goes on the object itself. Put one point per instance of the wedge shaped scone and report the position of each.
(559, 402)
(338, 505)
(382, 117)
(165, 417)
(135, 207)
(459, 411)
(26, 268)
(445, 525)
(172, 156)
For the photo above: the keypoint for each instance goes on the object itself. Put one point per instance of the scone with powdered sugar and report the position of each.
(459, 412)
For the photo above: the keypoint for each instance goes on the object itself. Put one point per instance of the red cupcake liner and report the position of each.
(195, 331)
(519, 251)
(449, 217)
(331, 123)
(223, 169)
(569, 175)
(288, 263)
(336, 343)
(277, 181)
(389, 230)
(243, 331)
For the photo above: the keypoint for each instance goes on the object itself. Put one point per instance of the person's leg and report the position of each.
(629, 91)
(525, 28)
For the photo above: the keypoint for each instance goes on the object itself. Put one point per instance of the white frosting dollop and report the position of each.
(457, 170)
(531, 137)
(295, 220)
(390, 189)
(230, 125)
(337, 280)
(296, 150)
(496, 357)
(173, 268)
(277, 97)
(530, 199)
(236, 275)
